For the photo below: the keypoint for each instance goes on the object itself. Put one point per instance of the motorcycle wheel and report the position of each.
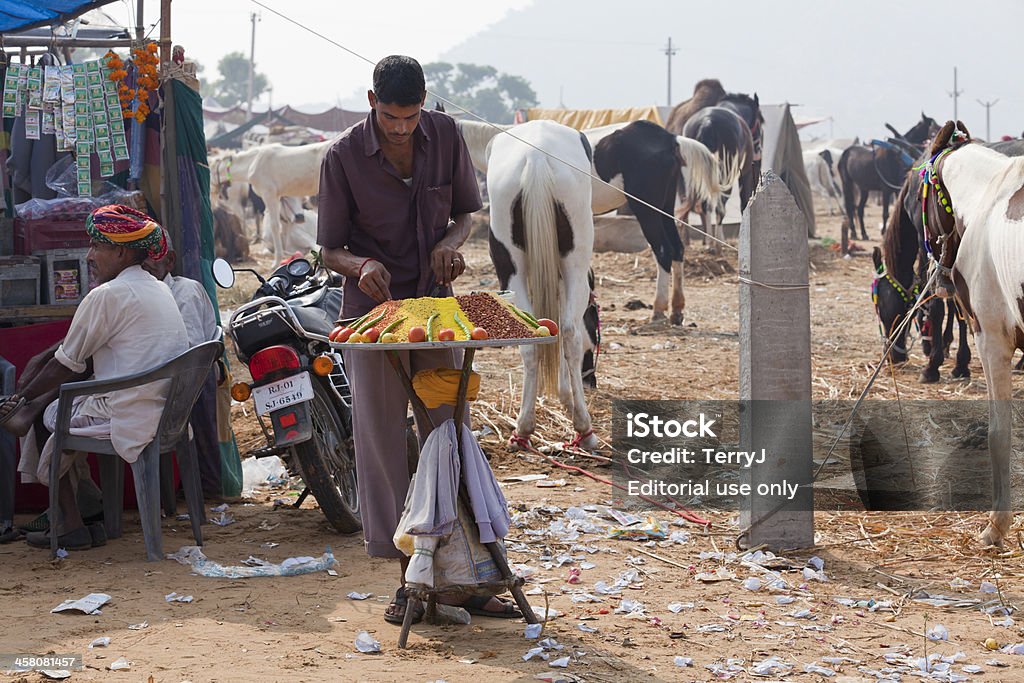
(328, 463)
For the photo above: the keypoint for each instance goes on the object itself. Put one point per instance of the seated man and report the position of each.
(128, 324)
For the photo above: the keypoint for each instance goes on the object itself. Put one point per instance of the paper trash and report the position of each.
(120, 664)
(90, 604)
(293, 566)
(100, 642)
(366, 643)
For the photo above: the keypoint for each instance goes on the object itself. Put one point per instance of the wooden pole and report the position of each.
(170, 186)
(775, 367)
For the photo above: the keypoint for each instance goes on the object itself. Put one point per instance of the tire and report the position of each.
(328, 464)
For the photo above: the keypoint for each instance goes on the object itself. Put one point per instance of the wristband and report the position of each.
(363, 265)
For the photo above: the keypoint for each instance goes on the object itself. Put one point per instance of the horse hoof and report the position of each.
(657, 315)
(992, 536)
(676, 319)
(961, 373)
(583, 443)
(929, 376)
(519, 443)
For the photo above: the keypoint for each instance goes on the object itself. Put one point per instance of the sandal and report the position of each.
(477, 604)
(402, 600)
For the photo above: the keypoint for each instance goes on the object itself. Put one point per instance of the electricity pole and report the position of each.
(988, 110)
(253, 17)
(670, 52)
(955, 95)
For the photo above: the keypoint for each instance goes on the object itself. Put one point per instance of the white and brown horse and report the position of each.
(973, 204)
(541, 242)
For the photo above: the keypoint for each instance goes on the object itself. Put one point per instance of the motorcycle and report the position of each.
(299, 383)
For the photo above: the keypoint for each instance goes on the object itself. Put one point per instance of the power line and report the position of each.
(669, 53)
(988, 110)
(955, 94)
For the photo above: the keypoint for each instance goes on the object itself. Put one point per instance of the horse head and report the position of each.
(940, 224)
(922, 131)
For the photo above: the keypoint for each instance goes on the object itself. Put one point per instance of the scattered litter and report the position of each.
(820, 670)
(550, 484)
(222, 519)
(711, 628)
(293, 566)
(358, 596)
(525, 478)
(812, 575)
(586, 564)
(1008, 622)
(56, 674)
(366, 643)
(90, 604)
(533, 630)
(268, 470)
(120, 664)
(988, 587)
(817, 563)
(550, 644)
(267, 526)
(561, 662)
(535, 652)
(174, 597)
(545, 613)
(451, 614)
(138, 627)
(972, 669)
(650, 529)
(269, 545)
(937, 632)
(630, 608)
(574, 576)
(752, 584)
(585, 628)
(784, 599)
(678, 607)
(585, 597)
(100, 642)
(183, 517)
(683, 661)
(61, 553)
(1017, 649)
(770, 666)
(720, 574)
(220, 508)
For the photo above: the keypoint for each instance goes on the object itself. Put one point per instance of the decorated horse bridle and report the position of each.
(223, 185)
(940, 232)
(882, 273)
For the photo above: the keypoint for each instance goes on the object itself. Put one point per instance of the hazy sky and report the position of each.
(863, 63)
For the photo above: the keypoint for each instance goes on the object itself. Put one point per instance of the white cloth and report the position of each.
(128, 325)
(196, 308)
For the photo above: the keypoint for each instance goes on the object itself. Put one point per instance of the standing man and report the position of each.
(396, 194)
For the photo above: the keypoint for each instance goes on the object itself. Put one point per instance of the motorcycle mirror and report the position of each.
(223, 273)
(299, 267)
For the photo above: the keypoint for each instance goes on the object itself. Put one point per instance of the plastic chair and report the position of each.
(168, 494)
(186, 375)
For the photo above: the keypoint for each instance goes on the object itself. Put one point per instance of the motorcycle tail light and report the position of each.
(322, 365)
(271, 359)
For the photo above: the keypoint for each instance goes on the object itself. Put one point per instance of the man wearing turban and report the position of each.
(129, 323)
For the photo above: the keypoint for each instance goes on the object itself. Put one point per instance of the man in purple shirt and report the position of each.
(396, 194)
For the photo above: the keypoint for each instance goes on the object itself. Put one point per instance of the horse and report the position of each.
(275, 171)
(706, 93)
(821, 174)
(897, 280)
(541, 242)
(748, 108)
(728, 137)
(881, 168)
(648, 162)
(229, 238)
(973, 203)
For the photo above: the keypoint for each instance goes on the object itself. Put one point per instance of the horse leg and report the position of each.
(860, 214)
(573, 399)
(678, 297)
(661, 294)
(996, 356)
(273, 217)
(526, 422)
(936, 309)
(963, 351)
(886, 198)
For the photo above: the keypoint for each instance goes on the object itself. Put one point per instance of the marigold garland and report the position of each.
(146, 62)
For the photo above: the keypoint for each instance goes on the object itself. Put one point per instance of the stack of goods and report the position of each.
(476, 317)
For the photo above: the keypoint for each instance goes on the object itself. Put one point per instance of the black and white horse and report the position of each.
(541, 243)
(973, 204)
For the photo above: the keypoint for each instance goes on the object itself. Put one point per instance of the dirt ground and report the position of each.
(697, 600)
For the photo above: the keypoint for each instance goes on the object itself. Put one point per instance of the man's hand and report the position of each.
(375, 281)
(447, 264)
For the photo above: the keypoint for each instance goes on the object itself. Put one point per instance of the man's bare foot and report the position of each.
(14, 417)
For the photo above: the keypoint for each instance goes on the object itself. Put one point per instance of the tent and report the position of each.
(582, 119)
(18, 15)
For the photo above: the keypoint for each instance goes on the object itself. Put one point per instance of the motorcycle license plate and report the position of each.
(283, 393)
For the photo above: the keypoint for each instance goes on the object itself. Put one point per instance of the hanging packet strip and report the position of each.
(32, 124)
(51, 84)
(22, 88)
(12, 102)
(35, 87)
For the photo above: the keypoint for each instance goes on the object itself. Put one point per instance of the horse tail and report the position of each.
(847, 181)
(703, 171)
(540, 215)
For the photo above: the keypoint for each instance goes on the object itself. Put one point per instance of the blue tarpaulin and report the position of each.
(18, 15)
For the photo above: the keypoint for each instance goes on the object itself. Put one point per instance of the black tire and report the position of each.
(328, 462)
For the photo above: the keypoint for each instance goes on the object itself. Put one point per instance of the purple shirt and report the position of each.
(365, 206)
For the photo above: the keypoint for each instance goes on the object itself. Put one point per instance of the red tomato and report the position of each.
(344, 334)
(417, 334)
(333, 336)
(447, 334)
(550, 324)
(372, 335)
(478, 333)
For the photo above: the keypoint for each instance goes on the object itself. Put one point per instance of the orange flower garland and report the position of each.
(146, 62)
